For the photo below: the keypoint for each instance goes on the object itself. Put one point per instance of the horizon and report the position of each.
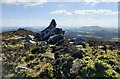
(39, 28)
(58, 26)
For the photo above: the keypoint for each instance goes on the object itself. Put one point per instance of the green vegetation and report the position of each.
(67, 61)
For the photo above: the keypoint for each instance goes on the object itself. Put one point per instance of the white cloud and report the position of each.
(105, 12)
(24, 2)
(61, 12)
(94, 2)
(83, 1)
(100, 1)
(40, 2)
(85, 12)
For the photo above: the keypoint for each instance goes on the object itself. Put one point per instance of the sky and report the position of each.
(69, 14)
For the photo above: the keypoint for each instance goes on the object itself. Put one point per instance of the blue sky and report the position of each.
(68, 14)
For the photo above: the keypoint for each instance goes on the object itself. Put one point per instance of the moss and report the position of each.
(16, 45)
(48, 54)
(111, 73)
(96, 62)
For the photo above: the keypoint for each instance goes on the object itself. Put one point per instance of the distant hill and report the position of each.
(85, 31)
(20, 32)
(94, 31)
(92, 28)
(12, 28)
(33, 29)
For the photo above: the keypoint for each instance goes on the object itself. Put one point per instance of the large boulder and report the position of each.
(55, 38)
(38, 36)
(51, 34)
(47, 32)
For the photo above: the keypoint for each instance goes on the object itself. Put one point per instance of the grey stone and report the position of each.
(55, 38)
(51, 34)
(29, 39)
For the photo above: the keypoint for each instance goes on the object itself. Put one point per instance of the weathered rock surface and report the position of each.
(51, 34)
(29, 39)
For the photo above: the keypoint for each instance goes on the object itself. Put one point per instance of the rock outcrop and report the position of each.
(51, 34)
(29, 39)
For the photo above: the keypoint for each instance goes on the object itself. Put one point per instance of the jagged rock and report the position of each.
(29, 39)
(61, 42)
(38, 37)
(51, 34)
(47, 32)
(20, 68)
(56, 38)
(58, 31)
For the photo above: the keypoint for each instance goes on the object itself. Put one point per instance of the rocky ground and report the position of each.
(51, 55)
